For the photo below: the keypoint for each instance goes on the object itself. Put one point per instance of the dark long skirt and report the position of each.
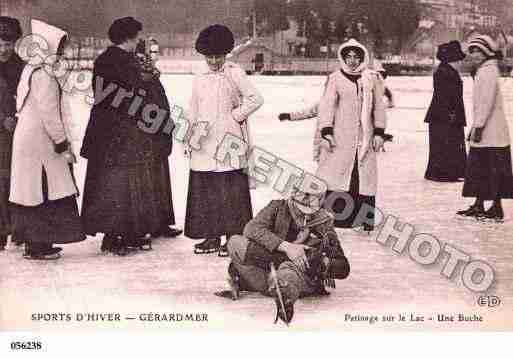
(5, 215)
(127, 200)
(218, 203)
(52, 222)
(489, 173)
(447, 153)
(341, 203)
(5, 180)
(163, 194)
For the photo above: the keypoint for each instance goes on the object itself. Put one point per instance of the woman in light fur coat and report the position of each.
(43, 188)
(223, 98)
(352, 125)
(488, 174)
(312, 112)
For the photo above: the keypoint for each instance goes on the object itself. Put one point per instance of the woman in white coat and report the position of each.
(352, 122)
(488, 174)
(218, 200)
(43, 188)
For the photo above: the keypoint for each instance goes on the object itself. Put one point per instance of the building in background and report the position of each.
(445, 20)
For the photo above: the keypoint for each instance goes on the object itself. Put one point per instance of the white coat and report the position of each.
(353, 112)
(222, 101)
(41, 125)
(488, 109)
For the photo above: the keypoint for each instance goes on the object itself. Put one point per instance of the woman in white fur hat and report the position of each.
(43, 188)
(489, 175)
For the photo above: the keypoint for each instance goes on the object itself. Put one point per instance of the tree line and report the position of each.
(382, 24)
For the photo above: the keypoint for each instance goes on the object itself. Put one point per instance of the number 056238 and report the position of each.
(31, 345)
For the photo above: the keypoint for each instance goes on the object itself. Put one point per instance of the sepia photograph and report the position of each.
(254, 166)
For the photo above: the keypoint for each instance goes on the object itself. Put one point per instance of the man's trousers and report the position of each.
(252, 261)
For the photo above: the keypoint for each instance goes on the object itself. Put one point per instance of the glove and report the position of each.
(284, 116)
(329, 143)
(187, 151)
(70, 157)
(476, 135)
(378, 143)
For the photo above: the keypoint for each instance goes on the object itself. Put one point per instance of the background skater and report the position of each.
(446, 118)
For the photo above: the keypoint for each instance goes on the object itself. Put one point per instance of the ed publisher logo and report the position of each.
(490, 301)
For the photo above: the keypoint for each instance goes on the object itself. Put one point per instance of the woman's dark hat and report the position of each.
(450, 52)
(123, 29)
(215, 40)
(10, 29)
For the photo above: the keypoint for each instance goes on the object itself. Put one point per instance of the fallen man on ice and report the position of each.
(288, 251)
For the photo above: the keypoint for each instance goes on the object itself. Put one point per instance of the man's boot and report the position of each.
(234, 281)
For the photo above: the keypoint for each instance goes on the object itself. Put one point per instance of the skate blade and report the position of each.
(362, 231)
(222, 254)
(491, 220)
(209, 251)
(52, 257)
(463, 218)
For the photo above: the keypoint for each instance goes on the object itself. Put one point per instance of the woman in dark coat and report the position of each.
(446, 118)
(162, 146)
(11, 67)
(120, 187)
(489, 175)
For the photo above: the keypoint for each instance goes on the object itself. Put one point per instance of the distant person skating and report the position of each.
(446, 118)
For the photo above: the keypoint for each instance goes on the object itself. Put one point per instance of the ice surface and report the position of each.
(171, 279)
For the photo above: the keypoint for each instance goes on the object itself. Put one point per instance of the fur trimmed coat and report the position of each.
(488, 109)
(353, 111)
(222, 101)
(42, 124)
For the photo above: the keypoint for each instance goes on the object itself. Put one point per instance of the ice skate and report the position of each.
(210, 245)
(143, 244)
(120, 248)
(223, 250)
(493, 215)
(17, 240)
(234, 282)
(52, 253)
(284, 305)
(473, 212)
(107, 243)
(365, 228)
(167, 232)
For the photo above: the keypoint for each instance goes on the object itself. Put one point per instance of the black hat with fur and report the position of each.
(450, 52)
(215, 40)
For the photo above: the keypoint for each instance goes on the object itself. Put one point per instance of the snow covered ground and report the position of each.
(170, 279)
